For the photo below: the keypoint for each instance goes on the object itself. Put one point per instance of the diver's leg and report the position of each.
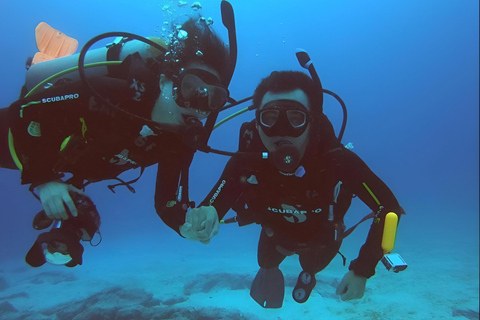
(268, 287)
(6, 160)
(268, 256)
(318, 257)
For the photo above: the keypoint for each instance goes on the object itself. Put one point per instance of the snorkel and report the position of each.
(228, 20)
(197, 136)
(305, 61)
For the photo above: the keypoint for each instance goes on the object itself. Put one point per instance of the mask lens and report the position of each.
(269, 117)
(192, 86)
(218, 96)
(200, 93)
(297, 118)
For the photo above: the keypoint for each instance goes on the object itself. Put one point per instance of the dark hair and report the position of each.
(322, 134)
(284, 81)
(202, 45)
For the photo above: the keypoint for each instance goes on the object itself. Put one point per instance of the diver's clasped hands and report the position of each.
(54, 197)
(201, 224)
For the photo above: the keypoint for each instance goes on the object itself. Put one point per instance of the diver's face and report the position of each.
(283, 117)
(197, 78)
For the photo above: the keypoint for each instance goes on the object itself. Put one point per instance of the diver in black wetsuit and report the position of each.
(136, 118)
(300, 207)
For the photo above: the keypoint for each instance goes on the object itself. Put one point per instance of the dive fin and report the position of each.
(268, 288)
(52, 43)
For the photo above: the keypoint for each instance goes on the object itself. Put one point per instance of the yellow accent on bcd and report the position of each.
(64, 143)
(84, 127)
(13, 153)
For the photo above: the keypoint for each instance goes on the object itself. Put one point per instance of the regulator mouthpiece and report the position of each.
(286, 158)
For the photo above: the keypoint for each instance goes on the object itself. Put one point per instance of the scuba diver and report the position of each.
(136, 102)
(301, 200)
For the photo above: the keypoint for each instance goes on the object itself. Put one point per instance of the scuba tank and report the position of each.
(116, 51)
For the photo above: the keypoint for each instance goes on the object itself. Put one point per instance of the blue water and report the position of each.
(408, 72)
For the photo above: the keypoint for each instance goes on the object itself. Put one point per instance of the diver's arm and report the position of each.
(380, 199)
(202, 223)
(168, 208)
(227, 190)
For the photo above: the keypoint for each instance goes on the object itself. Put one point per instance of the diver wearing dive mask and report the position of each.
(283, 125)
(113, 115)
(301, 211)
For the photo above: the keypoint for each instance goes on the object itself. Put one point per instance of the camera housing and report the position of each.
(61, 245)
(394, 262)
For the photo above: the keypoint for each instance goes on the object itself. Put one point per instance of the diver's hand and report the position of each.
(54, 196)
(201, 224)
(351, 287)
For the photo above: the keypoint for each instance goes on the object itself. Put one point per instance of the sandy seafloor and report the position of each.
(155, 274)
(148, 285)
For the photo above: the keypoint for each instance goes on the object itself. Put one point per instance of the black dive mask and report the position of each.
(201, 90)
(283, 118)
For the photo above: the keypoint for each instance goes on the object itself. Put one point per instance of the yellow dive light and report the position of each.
(389, 232)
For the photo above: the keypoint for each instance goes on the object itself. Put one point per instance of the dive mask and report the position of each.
(283, 118)
(201, 90)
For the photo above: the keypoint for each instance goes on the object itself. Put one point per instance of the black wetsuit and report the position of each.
(66, 129)
(305, 214)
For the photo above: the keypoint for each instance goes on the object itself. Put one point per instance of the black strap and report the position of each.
(347, 232)
(126, 183)
(343, 258)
